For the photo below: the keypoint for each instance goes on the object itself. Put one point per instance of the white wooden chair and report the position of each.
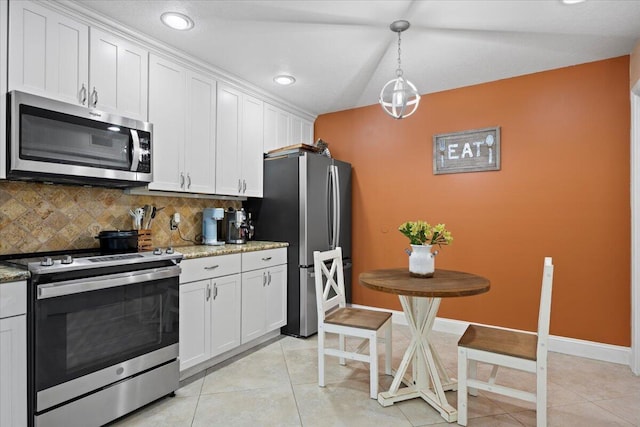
(518, 350)
(335, 317)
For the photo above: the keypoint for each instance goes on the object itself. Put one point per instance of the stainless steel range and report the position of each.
(102, 335)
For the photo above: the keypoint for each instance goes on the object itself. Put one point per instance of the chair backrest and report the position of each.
(329, 281)
(544, 314)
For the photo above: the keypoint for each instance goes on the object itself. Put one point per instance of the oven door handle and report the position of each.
(69, 287)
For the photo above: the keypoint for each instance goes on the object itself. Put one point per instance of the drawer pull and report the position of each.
(213, 267)
(267, 258)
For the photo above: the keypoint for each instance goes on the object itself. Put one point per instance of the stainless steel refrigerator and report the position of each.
(306, 202)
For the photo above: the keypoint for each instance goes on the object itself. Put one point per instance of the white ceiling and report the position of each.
(342, 52)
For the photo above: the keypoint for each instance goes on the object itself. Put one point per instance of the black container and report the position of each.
(118, 241)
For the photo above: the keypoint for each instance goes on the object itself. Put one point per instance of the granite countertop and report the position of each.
(13, 274)
(201, 251)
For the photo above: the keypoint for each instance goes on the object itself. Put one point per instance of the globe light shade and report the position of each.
(399, 98)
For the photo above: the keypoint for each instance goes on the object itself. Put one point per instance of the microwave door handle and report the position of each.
(136, 152)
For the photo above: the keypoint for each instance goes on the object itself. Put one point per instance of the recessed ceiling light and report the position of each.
(573, 1)
(177, 21)
(114, 128)
(284, 79)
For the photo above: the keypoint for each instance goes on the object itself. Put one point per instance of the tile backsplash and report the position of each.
(40, 217)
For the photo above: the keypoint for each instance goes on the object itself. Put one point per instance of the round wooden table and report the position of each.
(420, 299)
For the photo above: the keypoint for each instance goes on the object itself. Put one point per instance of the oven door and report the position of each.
(95, 331)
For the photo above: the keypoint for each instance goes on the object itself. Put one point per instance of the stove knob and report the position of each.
(46, 261)
(157, 251)
(67, 259)
(169, 250)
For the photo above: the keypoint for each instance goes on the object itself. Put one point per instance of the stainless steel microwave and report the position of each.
(53, 141)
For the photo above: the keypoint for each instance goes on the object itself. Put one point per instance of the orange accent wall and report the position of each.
(563, 191)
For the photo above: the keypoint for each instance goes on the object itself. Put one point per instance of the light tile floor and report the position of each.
(276, 385)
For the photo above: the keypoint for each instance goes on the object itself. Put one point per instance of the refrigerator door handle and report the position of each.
(329, 205)
(337, 209)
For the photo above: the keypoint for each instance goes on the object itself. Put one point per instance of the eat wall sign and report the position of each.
(468, 151)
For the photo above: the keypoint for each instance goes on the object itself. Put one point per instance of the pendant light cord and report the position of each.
(399, 70)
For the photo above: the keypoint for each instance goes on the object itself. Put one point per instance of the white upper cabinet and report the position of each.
(239, 143)
(252, 147)
(282, 129)
(118, 71)
(50, 55)
(200, 143)
(167, 86)
(182, 107)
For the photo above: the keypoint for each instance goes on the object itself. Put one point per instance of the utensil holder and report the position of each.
(145, 240)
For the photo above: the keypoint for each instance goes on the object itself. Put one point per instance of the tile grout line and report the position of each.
(295, 399)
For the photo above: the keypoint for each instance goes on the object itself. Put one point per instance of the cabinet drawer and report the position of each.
(263, 259)
(208, 267)
(13, 298)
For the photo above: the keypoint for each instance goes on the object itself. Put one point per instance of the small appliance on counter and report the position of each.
(212, 226)
(235, 226)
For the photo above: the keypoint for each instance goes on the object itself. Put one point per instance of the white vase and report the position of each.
(421, 261)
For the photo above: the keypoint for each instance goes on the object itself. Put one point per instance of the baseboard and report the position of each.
(564, 345)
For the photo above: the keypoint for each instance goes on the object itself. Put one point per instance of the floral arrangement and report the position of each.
(423, 233)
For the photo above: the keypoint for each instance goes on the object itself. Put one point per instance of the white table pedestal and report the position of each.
(429, 379)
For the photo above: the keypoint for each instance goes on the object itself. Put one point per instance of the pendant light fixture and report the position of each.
(399, 98)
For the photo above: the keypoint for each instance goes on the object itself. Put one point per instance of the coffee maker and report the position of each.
(235, 226)
(211, 226)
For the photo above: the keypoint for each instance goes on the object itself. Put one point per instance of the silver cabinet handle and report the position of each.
(266, 258)
(264, 279)
(215, 291)
(181, 180)
(188, 180)
(94, 97)
(83, 94)
(244, 186)
(239, 186)
(269, 276)
(208, 295)
(212, 267)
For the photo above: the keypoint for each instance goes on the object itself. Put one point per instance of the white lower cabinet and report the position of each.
(264, 288)
(227, 301)
(13, 354)
(209, 308)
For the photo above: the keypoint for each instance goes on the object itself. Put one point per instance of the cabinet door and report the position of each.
(253, 304)
(119, 72)
(48, 53)
(270, 137)
(228, 180)
(276, 128)
(252, 146)
(296, 130)
(195, 321)
(276, 297)
(225, 313)
(13, 371)
(167, 85)
(200, 143)
(307, 132)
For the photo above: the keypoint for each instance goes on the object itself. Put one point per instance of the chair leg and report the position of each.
(321, 358)
(388, 354)
(373, 365)
(341, 341)
(473, 373)
(541, 396)
(462, 386)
